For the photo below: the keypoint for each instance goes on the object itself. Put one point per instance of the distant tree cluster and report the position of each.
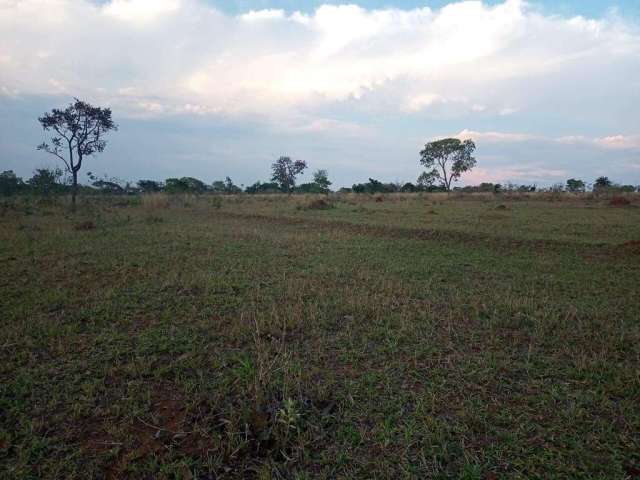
(79, 131)
(55, 182)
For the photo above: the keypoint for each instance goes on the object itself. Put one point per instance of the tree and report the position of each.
(10, 184)
(321, 179)
(409, 188)
(107, 184)
(45, 181)
(230, 187)
(373, 186)
(266, 187)
(227, 186)
(285, 171)
(79, 132)
(149, 186)
(311, 187)
(185, 185)
(448, 159)
(602, 183)
(218, 186)
(575, 186)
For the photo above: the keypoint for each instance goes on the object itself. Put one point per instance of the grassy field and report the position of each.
(398, 336)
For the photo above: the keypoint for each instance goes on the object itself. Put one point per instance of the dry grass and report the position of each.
(153, 201)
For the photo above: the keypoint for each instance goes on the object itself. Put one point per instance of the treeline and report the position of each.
(54, 181)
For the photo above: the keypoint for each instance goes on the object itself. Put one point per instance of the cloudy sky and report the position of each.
(208, 88)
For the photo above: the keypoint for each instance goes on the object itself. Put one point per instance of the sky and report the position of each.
(548, 90)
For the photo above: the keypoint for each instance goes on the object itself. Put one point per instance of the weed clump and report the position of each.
(619, 201)
(631, 247)
(85, 226)
(318, 204)
(216, 202)
(154, 219)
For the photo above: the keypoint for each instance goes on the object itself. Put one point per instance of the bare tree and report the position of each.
(79, 132)
(448, 159)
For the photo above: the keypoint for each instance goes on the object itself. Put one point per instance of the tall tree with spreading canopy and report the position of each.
(284, 172)
(447, 160)
(79, 132)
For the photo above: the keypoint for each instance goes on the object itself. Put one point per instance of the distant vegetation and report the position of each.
(79, 131)
(48, 182)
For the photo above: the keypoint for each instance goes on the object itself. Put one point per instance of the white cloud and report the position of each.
(267, 14)
(531, 174)
(327, 125)
(423, 100)
(610, 142)
(185, 52)
(495, 137)
(140, 11)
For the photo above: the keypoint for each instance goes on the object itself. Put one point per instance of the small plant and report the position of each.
(154, 219)
(288, 415)
(216, 202)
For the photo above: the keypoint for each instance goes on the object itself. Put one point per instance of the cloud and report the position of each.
(495, 137)
(540, 94)
(613, 142)
(534, 174)
(268, 61)
(140, 11)
(258, 15)
(610, 142)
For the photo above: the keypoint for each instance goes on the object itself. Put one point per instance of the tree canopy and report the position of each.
(284, 172)
(447, 160)
(79, 132)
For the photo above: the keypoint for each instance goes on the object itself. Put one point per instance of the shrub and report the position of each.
(85, 226)
(618, 201)
(317, 204)
(216, 202)
(10, 184)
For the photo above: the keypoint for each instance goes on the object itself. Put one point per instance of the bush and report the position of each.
(618, 201)
(10, 184)
(85, 226)
(216, 202)
(317, 204)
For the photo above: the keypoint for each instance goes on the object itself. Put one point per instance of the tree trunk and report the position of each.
(74, 191)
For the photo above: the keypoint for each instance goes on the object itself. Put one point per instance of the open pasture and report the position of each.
(390, 336)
